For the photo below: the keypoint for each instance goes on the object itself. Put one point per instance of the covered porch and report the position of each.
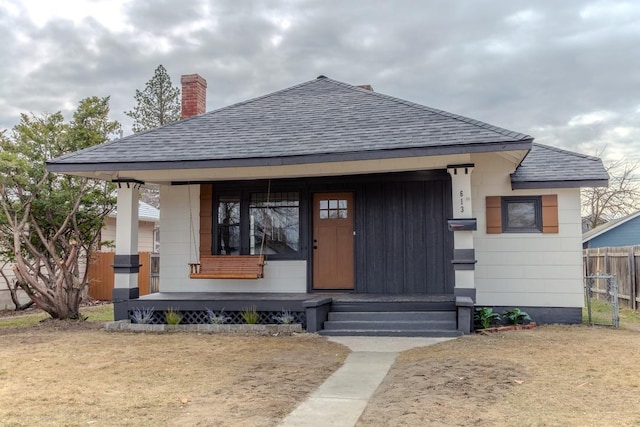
(378, 314)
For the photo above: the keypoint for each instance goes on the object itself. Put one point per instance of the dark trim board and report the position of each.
(534, 185)
(221, 300)
(548, 315)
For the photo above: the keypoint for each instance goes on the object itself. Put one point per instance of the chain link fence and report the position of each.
(601, 299)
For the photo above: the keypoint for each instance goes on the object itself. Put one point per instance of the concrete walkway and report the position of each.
(341, 399)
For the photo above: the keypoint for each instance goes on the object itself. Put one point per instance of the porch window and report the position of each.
(228, 225)
(274, 223)
(250, 222)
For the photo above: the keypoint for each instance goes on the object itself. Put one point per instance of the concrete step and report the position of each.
(396, 306)
(389, 325)
(390, 316)
(434, 333)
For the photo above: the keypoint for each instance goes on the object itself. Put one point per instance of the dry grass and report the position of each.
(548, 376)
(71, 374)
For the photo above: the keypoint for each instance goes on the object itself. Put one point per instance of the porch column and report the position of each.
(463, 224)
(127, 262)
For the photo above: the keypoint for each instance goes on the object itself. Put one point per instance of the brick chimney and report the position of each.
(194, 95)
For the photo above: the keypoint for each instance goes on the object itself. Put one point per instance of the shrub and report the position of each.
(516, 316)
(485, 317)
(250, 315)
(285, 318)
(142, 315)
(173, 317)
(217, 319)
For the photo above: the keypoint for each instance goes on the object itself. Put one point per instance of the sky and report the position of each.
(566, 72)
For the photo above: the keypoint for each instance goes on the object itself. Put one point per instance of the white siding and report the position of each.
(180, 243)
(145, 235)
(526, 269)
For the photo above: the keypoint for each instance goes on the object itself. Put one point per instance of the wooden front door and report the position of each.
(333, 240)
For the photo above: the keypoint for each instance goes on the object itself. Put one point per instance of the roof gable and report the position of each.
(320, 120)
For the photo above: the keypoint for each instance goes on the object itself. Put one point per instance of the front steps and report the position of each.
(401, 319)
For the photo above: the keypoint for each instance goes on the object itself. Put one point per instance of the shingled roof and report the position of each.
(322, 120)
(549, 167)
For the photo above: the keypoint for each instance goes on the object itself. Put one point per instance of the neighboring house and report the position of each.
(623, 231)
(148, 229)
(587, 220)
(362, 203)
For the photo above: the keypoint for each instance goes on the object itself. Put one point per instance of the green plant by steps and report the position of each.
(250, 315)
(516, 316)
(173, 317)
(485, 317)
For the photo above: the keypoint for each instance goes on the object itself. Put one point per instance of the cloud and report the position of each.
(563, 72)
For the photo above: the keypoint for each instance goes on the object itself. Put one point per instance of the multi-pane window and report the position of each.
(333, 209)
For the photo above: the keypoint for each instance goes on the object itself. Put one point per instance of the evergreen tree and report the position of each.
(158, 104)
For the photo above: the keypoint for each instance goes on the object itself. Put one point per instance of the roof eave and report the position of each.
(584, 183)
(525, 144)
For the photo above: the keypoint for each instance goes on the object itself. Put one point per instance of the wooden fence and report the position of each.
(101, 274)
(622, 262)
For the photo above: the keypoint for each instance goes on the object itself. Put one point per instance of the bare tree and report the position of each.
(620, 198)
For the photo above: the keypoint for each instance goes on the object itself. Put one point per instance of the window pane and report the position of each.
(274, 226)
(229, 226)
(521, 215)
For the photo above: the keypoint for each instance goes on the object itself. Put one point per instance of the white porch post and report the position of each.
(127, 261)
(463, 225)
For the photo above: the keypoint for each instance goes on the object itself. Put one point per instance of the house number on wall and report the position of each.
(461, 201)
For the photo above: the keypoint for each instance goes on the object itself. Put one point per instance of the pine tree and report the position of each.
(158, 104)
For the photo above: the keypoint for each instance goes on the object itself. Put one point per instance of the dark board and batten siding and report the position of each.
(402, 242)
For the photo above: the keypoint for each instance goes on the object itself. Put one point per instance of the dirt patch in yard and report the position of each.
(552, 375)
(71, 373)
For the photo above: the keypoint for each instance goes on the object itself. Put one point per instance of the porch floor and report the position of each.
(338, 297)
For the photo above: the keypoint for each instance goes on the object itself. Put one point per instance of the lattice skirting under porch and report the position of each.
(230, 317)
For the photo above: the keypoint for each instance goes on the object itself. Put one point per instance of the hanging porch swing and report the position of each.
(227, 266)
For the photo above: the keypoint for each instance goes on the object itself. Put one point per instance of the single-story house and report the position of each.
(623, 231)
(375, 215)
